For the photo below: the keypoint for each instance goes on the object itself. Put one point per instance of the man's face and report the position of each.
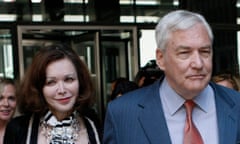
(187, 61)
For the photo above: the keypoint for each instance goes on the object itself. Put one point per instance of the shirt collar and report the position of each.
(176, 101)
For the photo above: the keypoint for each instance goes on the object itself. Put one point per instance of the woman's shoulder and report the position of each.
(19, 123)
(21, 119)
(94, 133)
(16, 130)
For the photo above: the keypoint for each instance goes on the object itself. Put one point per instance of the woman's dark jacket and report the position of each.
(17, 130)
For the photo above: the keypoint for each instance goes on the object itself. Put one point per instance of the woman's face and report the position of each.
(226, 83)
(8, 102)
(61, 87)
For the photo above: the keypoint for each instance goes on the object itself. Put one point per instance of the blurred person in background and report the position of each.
(148, 74)
(121, 86)
(8, 103)
(226, 80)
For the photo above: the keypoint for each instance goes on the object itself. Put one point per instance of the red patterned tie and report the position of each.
(191, 134)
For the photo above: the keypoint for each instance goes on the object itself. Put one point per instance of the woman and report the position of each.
(226, 80)
(54, 96)
(8, 102)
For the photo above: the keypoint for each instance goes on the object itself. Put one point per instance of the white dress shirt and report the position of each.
(204, 114)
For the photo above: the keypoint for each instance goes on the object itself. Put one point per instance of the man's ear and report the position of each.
(160, 59)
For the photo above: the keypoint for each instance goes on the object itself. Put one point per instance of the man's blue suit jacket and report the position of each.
(137, 117)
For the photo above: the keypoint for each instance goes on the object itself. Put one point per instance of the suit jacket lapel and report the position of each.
(152, 118)
(226, 115)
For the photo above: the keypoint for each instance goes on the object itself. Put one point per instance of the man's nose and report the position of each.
(197, 60)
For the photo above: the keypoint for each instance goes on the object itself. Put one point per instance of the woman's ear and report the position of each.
(160, 59)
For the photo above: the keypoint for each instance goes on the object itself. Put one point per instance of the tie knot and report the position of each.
(189, 104)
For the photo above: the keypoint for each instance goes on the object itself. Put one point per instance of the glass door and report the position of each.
(6, 54)
(87, 46)
(118, 58)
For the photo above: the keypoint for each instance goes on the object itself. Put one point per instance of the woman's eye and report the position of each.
(50, 82)
(12, 98)
(69, 79)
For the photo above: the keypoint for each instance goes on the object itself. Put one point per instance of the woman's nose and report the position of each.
(61, 87)
(5, 102)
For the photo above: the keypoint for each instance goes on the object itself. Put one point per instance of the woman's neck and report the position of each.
(3, 125)
(61, 115)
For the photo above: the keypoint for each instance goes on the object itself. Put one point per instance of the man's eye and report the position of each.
(183, 54)
(205, 53)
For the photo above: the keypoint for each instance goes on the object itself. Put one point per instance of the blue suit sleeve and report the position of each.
(109, 135)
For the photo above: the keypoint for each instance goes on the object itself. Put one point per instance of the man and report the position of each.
(156, 114)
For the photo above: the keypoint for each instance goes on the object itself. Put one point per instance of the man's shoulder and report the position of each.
(139, 93)
(134, 98)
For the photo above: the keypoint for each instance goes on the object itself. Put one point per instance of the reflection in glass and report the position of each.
(6, 53)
